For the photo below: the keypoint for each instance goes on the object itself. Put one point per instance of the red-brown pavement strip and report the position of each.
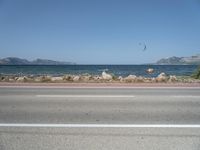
(6, 84)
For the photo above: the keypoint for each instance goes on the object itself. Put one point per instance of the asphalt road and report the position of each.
(99, 106)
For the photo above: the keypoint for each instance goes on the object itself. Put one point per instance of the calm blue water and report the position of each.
(118, 70)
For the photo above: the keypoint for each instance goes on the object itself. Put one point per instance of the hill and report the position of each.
(19, 61)
(192, 60)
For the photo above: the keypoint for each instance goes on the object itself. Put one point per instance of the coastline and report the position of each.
(104, 79)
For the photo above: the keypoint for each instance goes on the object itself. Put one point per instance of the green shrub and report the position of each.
(196, 74)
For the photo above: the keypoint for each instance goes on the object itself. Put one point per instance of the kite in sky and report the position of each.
(144, 48)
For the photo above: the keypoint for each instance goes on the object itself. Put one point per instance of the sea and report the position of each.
(117, 70)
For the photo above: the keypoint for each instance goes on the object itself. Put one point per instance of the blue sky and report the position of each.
(99, 31)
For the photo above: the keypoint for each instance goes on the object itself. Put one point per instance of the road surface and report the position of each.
(99, 118)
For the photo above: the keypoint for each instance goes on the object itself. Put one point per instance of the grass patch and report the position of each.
(196, 74)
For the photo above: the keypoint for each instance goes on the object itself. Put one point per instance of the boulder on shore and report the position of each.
(67, 78)
(130, 78)
(172, 78)
(86, 78)
(11, 80)
(22, 79)
(120, 78)
(162, 77)
(42, 79)
(56, 79)
(140, 79)
(76, 78)
(106, 76)
(4, 78)
(147, 80)
(97, 78)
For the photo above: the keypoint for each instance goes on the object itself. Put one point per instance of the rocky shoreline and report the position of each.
(104, 78)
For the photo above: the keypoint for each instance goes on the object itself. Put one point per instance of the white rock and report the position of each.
(172, 78)
(130, 78)
(11, 80)
(140, 79)
(45, 78)
(153, 79)
(4, 78)
(37, 79)
(20, 79)
(161, 77)
(120, 78)
(86, 78)
(162, 74)
(147, 80)
(54, 79)
(23, 79)
(106, 76)
(67, 78)
(97, 78)
(76, 78)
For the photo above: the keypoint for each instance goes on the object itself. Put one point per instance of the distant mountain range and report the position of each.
(19, 61)
(192, 60)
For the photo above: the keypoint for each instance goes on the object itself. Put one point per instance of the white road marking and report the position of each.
(87, 96)
(186, 96)
(102, 125)
(108, 96)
